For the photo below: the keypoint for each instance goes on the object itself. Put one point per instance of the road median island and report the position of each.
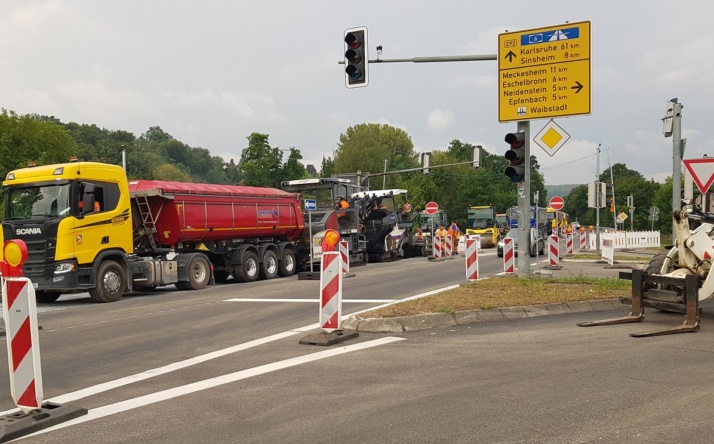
(496, 299)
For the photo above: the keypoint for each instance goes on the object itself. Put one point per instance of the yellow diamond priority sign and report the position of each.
(544, 72)
(551, 137)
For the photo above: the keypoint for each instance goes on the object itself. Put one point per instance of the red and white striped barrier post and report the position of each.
(330, 291)
(569, 243)
(583, 240)
(448, 246)
(20, 315)
(472, 243)
(23, 346)
(437, 247)
(345, 255)
(554, 252)
(508, 255)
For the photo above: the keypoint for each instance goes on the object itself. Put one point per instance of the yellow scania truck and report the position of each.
(88, 228)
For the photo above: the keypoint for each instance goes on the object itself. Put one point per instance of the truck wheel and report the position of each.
(287, 263)
(110, 282)
(199, 273)
(47, 297)
(269, 270)
(249, 270)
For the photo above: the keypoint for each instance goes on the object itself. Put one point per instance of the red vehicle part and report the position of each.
(196, 212)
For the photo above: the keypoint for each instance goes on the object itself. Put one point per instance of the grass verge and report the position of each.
(508, 291)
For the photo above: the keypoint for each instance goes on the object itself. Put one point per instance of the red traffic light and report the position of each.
(356, 59)
(516, 140)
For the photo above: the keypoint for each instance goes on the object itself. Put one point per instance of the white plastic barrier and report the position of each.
(627, 239)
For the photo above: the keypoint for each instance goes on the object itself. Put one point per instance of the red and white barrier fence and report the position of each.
(472, 244)
(437, 247)
(23, 346)
(508, 255)
(345, 255)
(448, 246)
(330, 291)
(554, 252)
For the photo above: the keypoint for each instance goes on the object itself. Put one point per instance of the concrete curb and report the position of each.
(430, 320)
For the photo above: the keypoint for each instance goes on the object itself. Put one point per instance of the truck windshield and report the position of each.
(51, 200)
(480, 217)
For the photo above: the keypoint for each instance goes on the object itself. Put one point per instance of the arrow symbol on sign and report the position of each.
(577, 86)
(510, 56)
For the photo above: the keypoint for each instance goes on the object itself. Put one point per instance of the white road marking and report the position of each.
(165, 395)
(354, 301)
(110, 385)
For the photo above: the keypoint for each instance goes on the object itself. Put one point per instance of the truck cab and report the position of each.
(71, 217)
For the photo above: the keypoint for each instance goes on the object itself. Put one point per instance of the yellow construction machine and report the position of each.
(481, 220)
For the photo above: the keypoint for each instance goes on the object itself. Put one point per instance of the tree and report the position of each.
(327, 168)
(26, 138)
(366, 146)
(170, 172)
(261, 164)
(293, 168)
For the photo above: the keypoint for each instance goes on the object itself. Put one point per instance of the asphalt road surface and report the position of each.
(224, 365)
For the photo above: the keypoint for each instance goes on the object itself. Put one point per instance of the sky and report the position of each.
(212, 72)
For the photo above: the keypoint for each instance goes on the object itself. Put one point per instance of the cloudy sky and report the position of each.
(212, 72)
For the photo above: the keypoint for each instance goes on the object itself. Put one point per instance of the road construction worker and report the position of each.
(455, 234)
(420, 234)
(342, 203)
(406, 208)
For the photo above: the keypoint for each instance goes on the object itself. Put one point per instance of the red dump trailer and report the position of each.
(244, 231)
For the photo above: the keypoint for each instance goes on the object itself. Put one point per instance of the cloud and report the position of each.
(440, 120)
(250, 105)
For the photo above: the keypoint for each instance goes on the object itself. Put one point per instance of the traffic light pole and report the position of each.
(461, 58)
(524, 207)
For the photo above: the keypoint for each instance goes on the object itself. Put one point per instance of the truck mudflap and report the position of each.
(643, 297)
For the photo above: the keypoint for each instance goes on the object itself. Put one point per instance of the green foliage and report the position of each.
(170, 172)
(366, 146)
(627, 182)
(30, 138)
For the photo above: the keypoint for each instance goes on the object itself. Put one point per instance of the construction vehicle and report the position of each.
(346, 221)
(676, 280)
(481, 220)
(428, 224)
(387, 228)
(146, 233)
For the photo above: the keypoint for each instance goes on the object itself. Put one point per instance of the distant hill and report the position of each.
(559, 190)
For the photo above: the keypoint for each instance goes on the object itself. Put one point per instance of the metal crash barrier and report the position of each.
(645, 296)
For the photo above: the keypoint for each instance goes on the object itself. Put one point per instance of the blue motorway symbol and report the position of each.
(550, 36)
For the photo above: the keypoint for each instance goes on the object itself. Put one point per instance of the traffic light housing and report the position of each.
(356, 59)
(516, 155)
(426, 163)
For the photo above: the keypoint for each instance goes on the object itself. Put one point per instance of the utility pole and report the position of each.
(524, 207)
(673, 127)
(597, 193)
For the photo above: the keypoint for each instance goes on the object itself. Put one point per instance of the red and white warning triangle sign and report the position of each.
(702, 171)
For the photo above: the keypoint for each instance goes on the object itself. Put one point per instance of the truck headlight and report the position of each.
(65, 267)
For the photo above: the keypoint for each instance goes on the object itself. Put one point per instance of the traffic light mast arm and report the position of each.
(462, 58)
(410, 170)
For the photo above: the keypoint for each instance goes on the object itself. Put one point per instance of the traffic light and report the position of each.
(611, 204)
(356, 60)
(476, 156)
(425, 163)
(516, 171)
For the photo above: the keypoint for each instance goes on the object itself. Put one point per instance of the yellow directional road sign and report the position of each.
(544, 72)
